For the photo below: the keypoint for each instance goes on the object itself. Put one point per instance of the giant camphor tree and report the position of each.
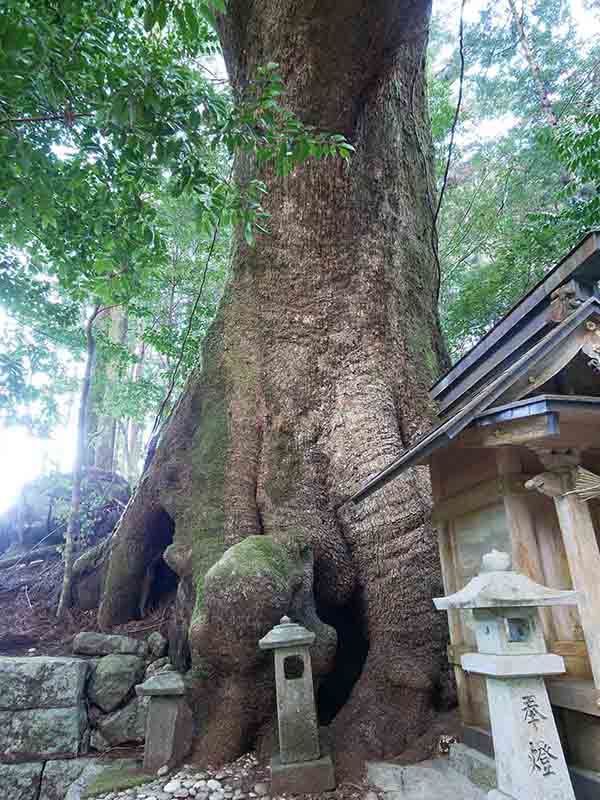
(313, 377)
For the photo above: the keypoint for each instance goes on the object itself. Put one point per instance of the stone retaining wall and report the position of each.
(53, 711)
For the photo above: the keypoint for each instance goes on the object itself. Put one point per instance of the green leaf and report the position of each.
(162, 14)
(249, 234)
(149, 18)
(191, 19)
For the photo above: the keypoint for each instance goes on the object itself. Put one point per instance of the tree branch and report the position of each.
(461, 79)
(68, 117)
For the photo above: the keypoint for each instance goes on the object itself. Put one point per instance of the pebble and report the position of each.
(186, 783)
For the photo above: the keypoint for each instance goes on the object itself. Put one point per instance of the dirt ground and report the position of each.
(28, 625)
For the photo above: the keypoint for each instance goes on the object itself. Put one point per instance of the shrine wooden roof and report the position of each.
(543, 335)
(522, 326)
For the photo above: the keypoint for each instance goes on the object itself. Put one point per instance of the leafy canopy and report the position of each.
(107, 108)
(523, 183)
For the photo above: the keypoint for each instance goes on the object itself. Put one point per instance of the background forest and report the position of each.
(116, 219)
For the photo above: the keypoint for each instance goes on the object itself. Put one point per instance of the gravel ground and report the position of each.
(244, 779)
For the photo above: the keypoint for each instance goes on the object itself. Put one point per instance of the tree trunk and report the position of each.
(533, 64)
(136, 429)
(73, 524)
(107, 435)
(313, 377)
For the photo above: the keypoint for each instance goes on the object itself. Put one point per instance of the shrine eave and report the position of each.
(505, 397)
(524, 322)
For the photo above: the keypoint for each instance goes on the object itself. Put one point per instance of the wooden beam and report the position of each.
(576, 658)
(479, 496)
(512, 432)
(575, 695)
(467, 384)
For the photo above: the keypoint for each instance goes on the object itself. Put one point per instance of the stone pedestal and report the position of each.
(530, 764)
(169, 722)
(512, 656)
(299, 767)
(308, 777)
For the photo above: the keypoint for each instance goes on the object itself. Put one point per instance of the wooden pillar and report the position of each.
(448, 566)
(526, 558)
(581, 547)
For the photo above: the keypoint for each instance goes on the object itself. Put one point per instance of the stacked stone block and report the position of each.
(53, 710)
(43, 717)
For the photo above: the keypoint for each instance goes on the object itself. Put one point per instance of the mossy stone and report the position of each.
(255, 556)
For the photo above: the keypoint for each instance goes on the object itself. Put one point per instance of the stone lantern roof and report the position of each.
(286, 634)
(502, 589)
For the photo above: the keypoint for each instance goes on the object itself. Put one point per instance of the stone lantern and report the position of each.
(169, 724)
(299, 767)
(514, 462)
(512, 656)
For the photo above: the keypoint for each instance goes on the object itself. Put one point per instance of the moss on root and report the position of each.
(116, 779)
(203, 520)
(255, 556)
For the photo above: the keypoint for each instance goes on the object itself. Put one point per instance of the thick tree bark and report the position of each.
(313, 378)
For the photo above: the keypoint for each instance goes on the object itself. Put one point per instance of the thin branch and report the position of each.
(187, 334)
(188, 331)
(461, 42)
(68, 117)
(461, 51)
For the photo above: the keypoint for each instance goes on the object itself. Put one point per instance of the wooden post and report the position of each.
(583, 555)
(450, 586)
(526, 557)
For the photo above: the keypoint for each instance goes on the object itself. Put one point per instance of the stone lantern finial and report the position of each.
(495, 561)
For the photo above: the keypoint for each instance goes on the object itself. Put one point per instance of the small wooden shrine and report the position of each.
(515, 466)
